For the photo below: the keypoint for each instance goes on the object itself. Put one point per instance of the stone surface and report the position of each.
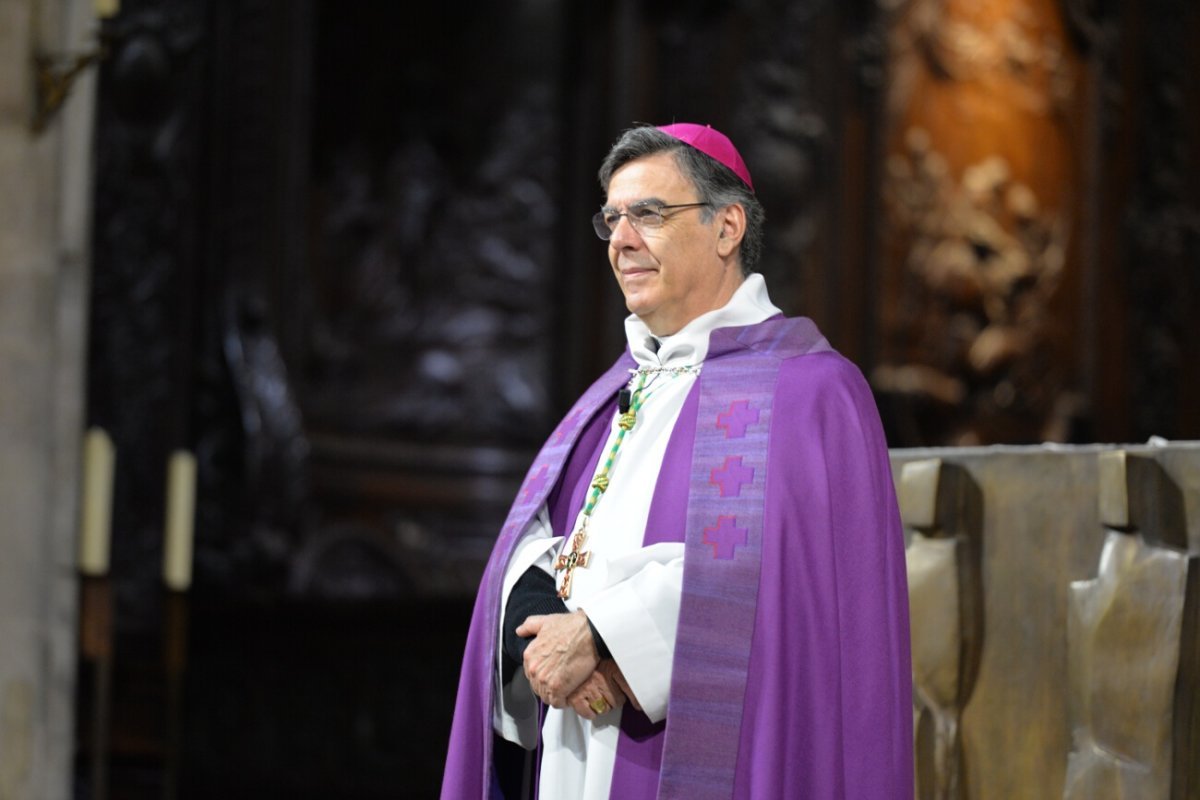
(14, 75)
(44, 208)
(16, 737)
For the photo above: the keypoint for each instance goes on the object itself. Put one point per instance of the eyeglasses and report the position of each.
(642, 216)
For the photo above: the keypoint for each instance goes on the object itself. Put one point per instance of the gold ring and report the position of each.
(599, 705)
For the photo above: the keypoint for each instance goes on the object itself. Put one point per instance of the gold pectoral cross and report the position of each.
(569, 561)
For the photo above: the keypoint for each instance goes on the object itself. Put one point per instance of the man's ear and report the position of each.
(732, 222)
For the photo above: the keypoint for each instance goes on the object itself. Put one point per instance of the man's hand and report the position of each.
(599, 686)
(609, 669)
(562, 656)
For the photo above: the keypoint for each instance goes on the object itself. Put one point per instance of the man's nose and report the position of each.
(624, 234)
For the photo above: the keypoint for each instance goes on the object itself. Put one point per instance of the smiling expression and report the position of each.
(673, 274)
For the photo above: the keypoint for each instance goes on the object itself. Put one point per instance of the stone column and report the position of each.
(45, 202)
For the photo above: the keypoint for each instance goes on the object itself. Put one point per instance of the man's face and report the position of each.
(672, 274)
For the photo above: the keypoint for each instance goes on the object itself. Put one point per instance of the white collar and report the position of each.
(748, 306)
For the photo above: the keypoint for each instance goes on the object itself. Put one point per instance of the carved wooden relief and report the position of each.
(416, 324)
(1124, 634)
(981, 197)
(431, 283)
(941, 507)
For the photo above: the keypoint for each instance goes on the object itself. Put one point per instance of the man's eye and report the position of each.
(643, 214)
(612, 219)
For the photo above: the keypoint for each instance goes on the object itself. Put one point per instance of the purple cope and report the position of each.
(792, 675)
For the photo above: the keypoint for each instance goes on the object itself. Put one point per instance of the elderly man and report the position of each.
(700, 589)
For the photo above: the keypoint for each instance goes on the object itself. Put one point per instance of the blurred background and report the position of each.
(340, 253)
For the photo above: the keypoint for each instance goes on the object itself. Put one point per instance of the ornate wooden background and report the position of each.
(342, 251)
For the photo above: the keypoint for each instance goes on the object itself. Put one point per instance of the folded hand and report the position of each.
(561, 657)
(600, 690)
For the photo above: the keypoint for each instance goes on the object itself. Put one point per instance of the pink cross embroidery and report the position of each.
(739, 417)
(725, 537)
(567, 426)
(731, 476)
(535, 484)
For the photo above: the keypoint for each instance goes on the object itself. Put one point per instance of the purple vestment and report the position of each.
(791, 675)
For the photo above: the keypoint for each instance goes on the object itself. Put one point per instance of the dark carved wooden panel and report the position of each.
(421, 336)
(1161, 223)
(1144, 169)
(146, 245)
(150, 206)
(325, 262)
(434, 206)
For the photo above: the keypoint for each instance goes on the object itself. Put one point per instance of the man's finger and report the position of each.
(619, 677)
(595, 689)
(582, 702)
(531, 625)
(581, 707)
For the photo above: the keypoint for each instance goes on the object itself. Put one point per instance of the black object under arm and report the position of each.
(534, 593)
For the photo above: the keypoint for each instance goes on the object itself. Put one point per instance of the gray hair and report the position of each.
(716, 184)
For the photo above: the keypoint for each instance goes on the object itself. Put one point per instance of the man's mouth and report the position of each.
(634, 270)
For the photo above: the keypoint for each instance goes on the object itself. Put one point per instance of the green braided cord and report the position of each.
(635, 405)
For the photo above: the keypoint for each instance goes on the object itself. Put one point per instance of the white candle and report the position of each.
(95, 528)
(181, 509)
